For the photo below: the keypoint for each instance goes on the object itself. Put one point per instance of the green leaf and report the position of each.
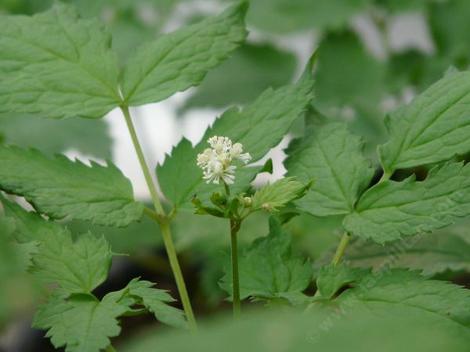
(275, 196)
(333, 158)
(181, 59)
(81, 322)
(259, 127)
(434, 253)
(409, 289)
(432, 128)
(62, 188)
(331, 278)
(157, 301)
(392, 209)
(57, 65)
(354, 327)
(57, 136)
(77, 267)
(251, 70)
(281, 16)
(268, 268)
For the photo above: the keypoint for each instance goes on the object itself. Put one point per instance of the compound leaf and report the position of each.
(56, 65)
(62, 188)
(332, 158)
(269, 269)
(434, 127)
(181, 59)
(391, 210)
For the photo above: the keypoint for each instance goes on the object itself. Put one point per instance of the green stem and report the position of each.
(110, 348)
(386, 175)
(234, 227)
(341, 248)
(162, 219)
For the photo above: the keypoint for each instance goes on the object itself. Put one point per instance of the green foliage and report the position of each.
(76, 267)
(277, 195)
(251, 70)
(57, 136)
(272, 114)
(81, 322)
(392, 209)
(62, 188)
(56, 65)
(269, 270)
(181, 59)
(332, 278)
(432, 128)
(332, 157)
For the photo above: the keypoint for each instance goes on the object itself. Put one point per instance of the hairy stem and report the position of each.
(161, 217)
(341, 248)
(234, 227)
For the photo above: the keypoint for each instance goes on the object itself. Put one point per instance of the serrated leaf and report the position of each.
(80, 323)
(268, 269)
(274, 196)
(259, 127)
(62, 188)
(331, 278)
(391, 210)
(251, 70)
(433, 253)
(157, 301)
(56, 65)
(332, 157)
(434, 127)
(181, 59)
(77, 267)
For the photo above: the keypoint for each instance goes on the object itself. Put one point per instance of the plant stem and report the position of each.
(163, 221)
(110, 348)
(341, 248)
(234, 227)
(385, 176)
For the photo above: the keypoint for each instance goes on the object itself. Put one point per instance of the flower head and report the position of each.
(216, 161)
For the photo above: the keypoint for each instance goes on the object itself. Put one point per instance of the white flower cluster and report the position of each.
(216, 161)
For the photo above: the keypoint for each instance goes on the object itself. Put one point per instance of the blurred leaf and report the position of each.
(269, 269)
(63, 188)
(57, 65)
(244, 76)
(260, 126)
(397, 6)
(391, 210)
(180, 60)
(57, 136)
(284, 16)
(332, 158)
(449, 27)
(432, 253)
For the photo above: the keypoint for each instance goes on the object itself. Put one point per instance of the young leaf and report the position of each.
(276, 195)
(269, 269)
(81, 322)
(56, 65)
(181, 59)
(431, 253)
(433, 127)
(390, 210)
(259, 127)
(332, 158)
(62, 188)
(77, 267)
(156, 301)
